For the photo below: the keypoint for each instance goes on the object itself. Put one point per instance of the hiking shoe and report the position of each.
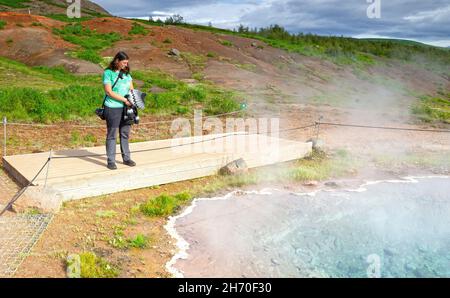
(129, 163)
(112, 166)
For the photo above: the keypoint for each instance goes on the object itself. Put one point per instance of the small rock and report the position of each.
(275, 262)
(102, 252)
(73, 268)
(317, 144)
(236, 167)
(254, 44)
(157, 90)
(311, 183)
(331, 184)
(174, 52)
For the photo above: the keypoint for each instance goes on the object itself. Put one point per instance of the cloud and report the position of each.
(436, 15)
(427, 21)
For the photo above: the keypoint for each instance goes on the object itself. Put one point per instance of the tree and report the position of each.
(175, 19)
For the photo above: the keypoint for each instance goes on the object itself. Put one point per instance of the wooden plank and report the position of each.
(158, 162)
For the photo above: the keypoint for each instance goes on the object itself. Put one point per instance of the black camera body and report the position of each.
(131, 115)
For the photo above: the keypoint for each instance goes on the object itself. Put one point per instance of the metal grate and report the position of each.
(18, 235)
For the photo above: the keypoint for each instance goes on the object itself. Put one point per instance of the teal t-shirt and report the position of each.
(122, 87)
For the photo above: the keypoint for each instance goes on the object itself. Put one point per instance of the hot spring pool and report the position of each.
(383, 229)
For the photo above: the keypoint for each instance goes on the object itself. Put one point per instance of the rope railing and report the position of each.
(104, 126)
(385, 127)
(50, 158)
(317, 125)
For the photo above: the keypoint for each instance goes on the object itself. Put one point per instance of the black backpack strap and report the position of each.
(114, 85)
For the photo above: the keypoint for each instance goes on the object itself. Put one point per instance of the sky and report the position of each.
(426, 21)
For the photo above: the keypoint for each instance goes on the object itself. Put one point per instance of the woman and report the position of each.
(117, 82)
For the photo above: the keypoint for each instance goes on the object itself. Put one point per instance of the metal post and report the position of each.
(318, 128)
(5, 121)
(48, 168)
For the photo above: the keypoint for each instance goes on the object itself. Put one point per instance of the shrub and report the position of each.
(160, 206)
(140, 241)
(226, 43)
(183, 196)
(138, 29)
(164, 204)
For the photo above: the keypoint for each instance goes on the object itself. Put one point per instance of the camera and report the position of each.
(131, 115)
(137, 100)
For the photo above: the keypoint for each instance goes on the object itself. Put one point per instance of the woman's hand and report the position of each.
(127, 102)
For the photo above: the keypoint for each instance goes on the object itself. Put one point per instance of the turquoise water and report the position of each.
(385, 230)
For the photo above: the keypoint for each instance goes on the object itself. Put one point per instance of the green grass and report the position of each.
(140, 241)
(86, 38)
(317, 166)
(2, 24)
(179, 97)
(73, 102)
(52, 94)
(433, 108)
(93, 266)
(106, 213)
(196, 62)
(119, 240)
(89, 55)
(320, 167)
(226, 43)
(14, 3)
(90, 41)
(167, 41)
(138, 29)
(65, 18)
(164, 204)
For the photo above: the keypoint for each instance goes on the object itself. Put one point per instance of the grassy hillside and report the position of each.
(44, 94)
(341, 50)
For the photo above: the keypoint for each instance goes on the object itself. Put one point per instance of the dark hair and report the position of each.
(120, 56)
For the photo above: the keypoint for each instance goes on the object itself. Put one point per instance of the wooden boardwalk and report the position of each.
(82, 173)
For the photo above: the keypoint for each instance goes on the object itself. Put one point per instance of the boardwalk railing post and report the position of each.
(5, 121)
(48, 168)
(318, 127)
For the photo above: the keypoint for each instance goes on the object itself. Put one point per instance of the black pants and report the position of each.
(114, 122)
